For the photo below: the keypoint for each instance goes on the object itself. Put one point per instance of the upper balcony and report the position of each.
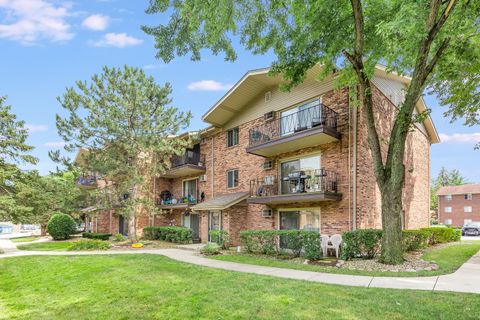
(295, 187)
(191, 163)
(304, 128)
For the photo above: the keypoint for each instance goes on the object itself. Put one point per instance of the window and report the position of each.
(467, 209)
(232, 137)
(448, 209)
(190, 190)
(301, 175)
(448, 197)
(448, 221)
(468, 196)
(232, 178)
(467, 221)
(300, 117)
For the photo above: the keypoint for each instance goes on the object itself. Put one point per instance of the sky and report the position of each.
(47, 45)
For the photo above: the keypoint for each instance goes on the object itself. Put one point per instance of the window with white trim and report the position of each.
(448, 221)
(448, 209)
(467, 221)
(467, 209)
(232, 137)
(448, 197)
(232, 178)
(468, 196)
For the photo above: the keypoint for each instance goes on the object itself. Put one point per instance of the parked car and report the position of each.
(471, 229)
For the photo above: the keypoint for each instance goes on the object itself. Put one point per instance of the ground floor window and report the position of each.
(214, 221)
(302, 219)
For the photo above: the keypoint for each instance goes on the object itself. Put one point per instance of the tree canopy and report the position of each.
(444, 178)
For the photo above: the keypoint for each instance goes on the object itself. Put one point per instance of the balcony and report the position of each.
(87, 182)
(168, 201)
(306, 128)
(296, 187)
(191, 163)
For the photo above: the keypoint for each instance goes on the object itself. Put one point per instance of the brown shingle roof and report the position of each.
(221, 202)
(462, 189)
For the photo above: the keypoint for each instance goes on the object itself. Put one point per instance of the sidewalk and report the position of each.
(465, 279)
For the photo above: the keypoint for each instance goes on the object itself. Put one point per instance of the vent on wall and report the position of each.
(268, 96)
(267, 213)
(269, 116)
(202, 178)
(267, 165)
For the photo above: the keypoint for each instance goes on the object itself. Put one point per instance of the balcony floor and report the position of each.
(296, 141)
(296, 198)
(184, 170)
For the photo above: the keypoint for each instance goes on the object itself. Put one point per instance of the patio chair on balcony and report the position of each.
(335, 244)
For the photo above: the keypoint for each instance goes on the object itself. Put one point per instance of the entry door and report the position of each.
(214, 221)
(192, 221)
(122, 226)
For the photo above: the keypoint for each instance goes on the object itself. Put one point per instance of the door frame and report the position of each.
(220, 212)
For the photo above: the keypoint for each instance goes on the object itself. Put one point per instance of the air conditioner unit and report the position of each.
(267, 213)
(268, 165)
(268, 96)
(202, 178)
(269, 116)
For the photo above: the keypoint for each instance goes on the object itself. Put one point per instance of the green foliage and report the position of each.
(98, 236)
(171, 234)
(119, 237)
(211, 249)
(415, 239)
(442, 234)
(268, 242)
(364, 243)
(220, 237)
(61, 226)
(126, 122)
(444, 178)
(89, 244)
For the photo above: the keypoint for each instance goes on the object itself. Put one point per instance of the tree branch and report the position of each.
(438, 54)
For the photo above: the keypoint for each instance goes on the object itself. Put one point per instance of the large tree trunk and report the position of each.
(391, 195)
(132, 229)
(43, 230)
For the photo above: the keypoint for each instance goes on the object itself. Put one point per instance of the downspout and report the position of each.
(213, 164)
(354, 166)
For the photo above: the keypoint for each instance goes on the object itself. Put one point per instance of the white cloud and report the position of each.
(152, 66)
(28, 21)
(473, 137)
(119, 40)
(32, 128)
(96, 22)
(55, 144)
(208, 85)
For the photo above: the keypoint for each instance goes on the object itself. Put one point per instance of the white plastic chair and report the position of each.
(336, 242)
(324, 244)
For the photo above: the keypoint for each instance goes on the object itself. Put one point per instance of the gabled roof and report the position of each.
(221, 202)
(257, 81)
(462, 189)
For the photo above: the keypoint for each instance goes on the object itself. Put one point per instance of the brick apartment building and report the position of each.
(299, 159)
(459, 205)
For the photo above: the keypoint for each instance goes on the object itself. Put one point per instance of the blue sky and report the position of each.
(49, 44)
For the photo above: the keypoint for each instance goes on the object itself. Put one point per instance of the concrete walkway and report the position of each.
(465, 279)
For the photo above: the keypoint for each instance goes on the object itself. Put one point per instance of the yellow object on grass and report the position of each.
(137, 245)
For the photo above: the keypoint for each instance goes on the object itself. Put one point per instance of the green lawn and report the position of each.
(155, 287)
(25, 239)
(448, 259)
(46, 246)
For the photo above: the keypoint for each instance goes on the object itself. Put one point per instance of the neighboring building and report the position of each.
(290, 160)
(459, 205)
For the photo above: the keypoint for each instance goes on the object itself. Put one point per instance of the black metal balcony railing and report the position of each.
(167, 198)
(87, 181)
(319, 180)
(315, 116)
(190, 157)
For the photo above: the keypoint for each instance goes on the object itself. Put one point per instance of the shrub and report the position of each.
(210, 249)
(363, 243)
(98, 236)
(267, 242)
(119, 237)
(89, 244)
(457, 235)
(220, 237)
(414, 239)
(61, 226)
(171, 234)
(441, 235)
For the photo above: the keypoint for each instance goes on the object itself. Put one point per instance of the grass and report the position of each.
(448, 260)
(155, 287)
(25, 239)
(46, 246)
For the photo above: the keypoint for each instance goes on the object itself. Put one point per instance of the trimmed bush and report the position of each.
(220, 237)
(89, 244)
(171, 234)
(119, 237)
(457, 235)
(98, 236)
(268, 242)
(210, 249)
(415, 239)
(441, 235)
(61, 226)
(361, 243)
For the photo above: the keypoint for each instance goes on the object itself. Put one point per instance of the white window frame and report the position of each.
(238, 178)
(447, 209)
(300, 209)
(279, 166)
(448, 197)
(468, 196)
(183, 186)
(234, 143)
(466, 221)
(448, 222)
(467, 209)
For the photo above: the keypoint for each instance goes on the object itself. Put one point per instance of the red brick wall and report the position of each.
(457, 204)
